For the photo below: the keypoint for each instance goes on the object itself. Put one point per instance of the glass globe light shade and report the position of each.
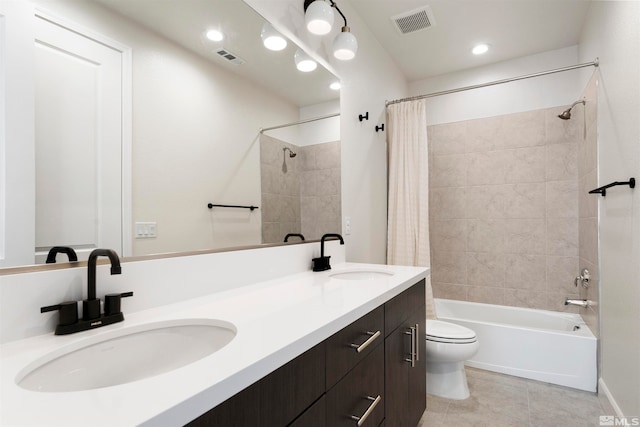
(319, 17)
(304, 62)
(345, 45)
(272, 39)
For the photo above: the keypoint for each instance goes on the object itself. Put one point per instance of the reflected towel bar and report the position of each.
(603, 190)
(251, 208)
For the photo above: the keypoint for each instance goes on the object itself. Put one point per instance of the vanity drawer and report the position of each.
(359, 394)
(397, 310)
(315, 416)
(352, 344)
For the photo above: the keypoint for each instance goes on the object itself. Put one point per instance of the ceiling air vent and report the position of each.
(414, 20)
(230, 56)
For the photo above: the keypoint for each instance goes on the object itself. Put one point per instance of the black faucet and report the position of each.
(91, 306)
(51, 256)
(91, 316)
(286, 238)
(322, 263)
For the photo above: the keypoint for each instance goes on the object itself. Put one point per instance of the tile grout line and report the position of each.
(529, 406)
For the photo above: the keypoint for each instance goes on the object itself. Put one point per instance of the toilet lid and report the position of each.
(440, 331)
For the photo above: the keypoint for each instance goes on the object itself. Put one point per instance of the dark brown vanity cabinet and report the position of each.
(405, 366)
(277, 399)
(358, 376)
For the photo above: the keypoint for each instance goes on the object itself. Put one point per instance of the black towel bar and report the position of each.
(603, 190)
(251, 208)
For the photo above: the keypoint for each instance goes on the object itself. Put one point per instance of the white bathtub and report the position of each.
(542, 345)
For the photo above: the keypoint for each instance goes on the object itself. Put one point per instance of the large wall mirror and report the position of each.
(132, 159)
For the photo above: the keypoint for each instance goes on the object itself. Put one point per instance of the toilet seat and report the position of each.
(445, 332)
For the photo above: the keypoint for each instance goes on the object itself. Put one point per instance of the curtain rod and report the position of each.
(314, 119)
(595, 63)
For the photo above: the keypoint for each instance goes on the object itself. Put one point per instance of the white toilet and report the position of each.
(448, 347)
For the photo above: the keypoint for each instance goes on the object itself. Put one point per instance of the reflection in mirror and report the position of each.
(301, 183)
(194, 116)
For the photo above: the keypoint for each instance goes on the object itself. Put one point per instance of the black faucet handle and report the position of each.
(112, 303)
(321, 263)
(68, 312)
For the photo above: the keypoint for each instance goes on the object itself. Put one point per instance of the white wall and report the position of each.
(17, 138)
(612, 32)
(523, 95)
(206, 150)
(367, 81)
(326, 130)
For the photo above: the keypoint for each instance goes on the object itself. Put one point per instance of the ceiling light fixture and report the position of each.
(318, 16)
(345, 45)
(272, 39)
(215, 35)
(480, 49)
(319, 20)
(334, 86)
(304, 62)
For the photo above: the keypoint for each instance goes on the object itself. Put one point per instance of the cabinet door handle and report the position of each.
(417, 342)
(363, 418)
(360, 347)
(413, 354)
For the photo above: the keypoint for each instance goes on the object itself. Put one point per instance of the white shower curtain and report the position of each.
(408, 201)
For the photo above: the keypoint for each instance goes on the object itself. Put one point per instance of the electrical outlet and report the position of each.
(347, 225)
(146, 230)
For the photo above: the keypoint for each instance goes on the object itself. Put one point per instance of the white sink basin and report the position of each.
(361, 274)
(126, 355)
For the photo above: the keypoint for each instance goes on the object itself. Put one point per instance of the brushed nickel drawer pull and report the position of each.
(417, 342)
(360, 347)
(363, 418)
(413, 353)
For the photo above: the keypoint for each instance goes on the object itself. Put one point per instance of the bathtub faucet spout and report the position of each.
(579, 302)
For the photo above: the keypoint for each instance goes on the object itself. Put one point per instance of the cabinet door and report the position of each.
(397, 350)
(316, 416)
(360, 393)
(288, 391)
(405, 385)
(397, 310)
(418, 374)
(241, 410)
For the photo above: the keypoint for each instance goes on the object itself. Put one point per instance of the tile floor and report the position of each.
(502, 400)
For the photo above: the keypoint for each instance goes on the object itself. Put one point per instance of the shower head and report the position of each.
(291, 153)
(566, 114)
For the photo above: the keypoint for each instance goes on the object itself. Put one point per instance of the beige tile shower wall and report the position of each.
(588, 206)
(307, 197)
(320, 190)
(280, 189)
(504, 209)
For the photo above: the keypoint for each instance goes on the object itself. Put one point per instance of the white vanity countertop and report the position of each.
(276, 321)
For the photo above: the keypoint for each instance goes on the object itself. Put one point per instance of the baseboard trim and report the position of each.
(602, 388)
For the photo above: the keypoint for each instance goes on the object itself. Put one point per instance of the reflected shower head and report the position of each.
(291, 153)
(566, 114)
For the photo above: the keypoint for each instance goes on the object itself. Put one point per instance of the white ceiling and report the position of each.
(185, 22)
(513, 28)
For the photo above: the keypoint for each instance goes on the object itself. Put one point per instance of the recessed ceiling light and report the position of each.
(215, 35)
(480, 49)
(334, 86)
